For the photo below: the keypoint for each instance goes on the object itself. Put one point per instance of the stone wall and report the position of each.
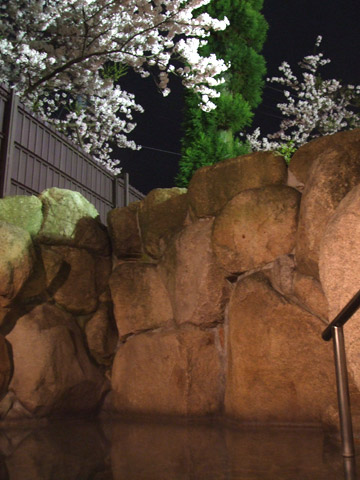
(203, 301)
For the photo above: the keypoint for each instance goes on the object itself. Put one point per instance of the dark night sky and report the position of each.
(293, 28)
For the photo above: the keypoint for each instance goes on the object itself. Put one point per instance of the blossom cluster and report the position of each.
(53, 53)
(313, 107)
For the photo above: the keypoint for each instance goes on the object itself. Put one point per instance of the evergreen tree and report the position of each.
(211, 136)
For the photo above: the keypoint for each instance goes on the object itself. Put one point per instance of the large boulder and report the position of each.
(173, 373)
(334, 172)
(140, 299)
(5, 366)
(52, 373)
(25, 211)
(162, 213)
(279, 368)
(310, 295)
(255, 227)
(70, 278)
(70, 219)
(101, 335)
(304, 290)
(16, 261)
(340, 270)
(124, 231)
(281, 274)
(306, 155)
(103, 270)
(213, 186)
(196, 284)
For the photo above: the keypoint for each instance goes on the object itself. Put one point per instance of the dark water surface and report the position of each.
(92, 450)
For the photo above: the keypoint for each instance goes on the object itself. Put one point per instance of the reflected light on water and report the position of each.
(169, 451)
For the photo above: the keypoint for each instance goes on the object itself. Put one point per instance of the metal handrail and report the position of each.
(335, 331)
(341, 318)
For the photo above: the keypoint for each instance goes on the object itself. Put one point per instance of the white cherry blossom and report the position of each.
(54, 54)
(313, 107)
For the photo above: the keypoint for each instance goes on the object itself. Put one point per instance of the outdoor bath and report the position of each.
(169, 450)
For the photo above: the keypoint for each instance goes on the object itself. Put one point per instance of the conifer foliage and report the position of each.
(210, 136)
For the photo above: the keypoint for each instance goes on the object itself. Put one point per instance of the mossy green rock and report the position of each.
(70, 219)
(23, 211)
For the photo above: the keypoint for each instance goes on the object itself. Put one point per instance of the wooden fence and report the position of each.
(34, 156)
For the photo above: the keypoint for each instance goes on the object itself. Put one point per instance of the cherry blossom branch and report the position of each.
(312, 107)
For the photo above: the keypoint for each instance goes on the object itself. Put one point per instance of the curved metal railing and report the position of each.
(335, 331)
(341, 318)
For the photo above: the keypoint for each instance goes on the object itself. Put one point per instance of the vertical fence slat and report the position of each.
(115, 201)
(10, 115)
(126, 189)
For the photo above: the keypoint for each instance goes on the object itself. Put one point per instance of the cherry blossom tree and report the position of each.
(64, 59)
(313, 107)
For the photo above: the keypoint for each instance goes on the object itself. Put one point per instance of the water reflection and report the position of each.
(148, 451)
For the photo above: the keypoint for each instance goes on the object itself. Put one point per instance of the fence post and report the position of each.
(126, 190)
(114, 193)
(10, 115)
